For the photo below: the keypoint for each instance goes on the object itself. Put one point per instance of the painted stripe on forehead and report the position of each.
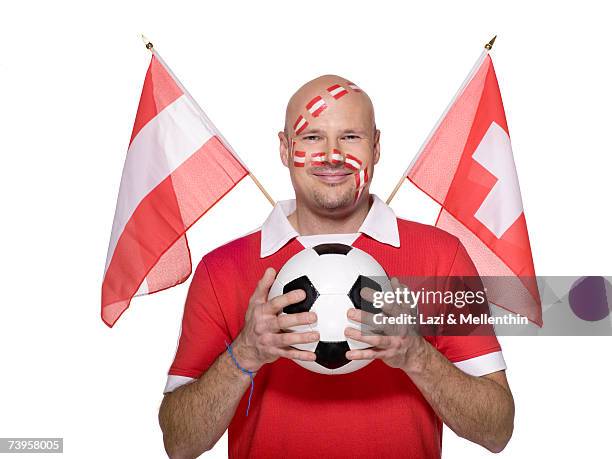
(316, 106)
(337, 91)
(300, 124)
(353, 86)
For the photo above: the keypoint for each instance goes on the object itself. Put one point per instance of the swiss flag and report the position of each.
(177, 167)
(467, 166)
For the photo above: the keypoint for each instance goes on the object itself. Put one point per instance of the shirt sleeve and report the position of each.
(479, 353)
(203, 332)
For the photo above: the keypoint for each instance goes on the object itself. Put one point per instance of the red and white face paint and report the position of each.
(299, 158)
(336, 156)
(299, 125)
(352, 162)
(353, 86)
(337, 91)
(361, 180)
(318, 159)
(316, 106)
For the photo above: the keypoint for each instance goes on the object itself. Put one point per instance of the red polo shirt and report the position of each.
(374, 412)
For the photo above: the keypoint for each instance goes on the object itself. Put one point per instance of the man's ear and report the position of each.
(376, 145)
(283, 148)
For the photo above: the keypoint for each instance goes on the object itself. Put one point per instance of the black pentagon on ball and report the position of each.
(332, 248)
(331, 354)
(311, 295)
(358, 301)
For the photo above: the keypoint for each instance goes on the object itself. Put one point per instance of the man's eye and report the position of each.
(350, 137)
(312, 138)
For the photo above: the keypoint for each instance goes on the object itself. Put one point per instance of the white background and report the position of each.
(70, 80)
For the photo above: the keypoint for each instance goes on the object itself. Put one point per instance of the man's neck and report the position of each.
(308, 221)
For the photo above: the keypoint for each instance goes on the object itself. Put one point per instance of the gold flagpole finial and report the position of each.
(147, 42)
(489, 45)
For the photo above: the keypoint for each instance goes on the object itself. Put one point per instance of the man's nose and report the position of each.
(334, 155)
(330, 146)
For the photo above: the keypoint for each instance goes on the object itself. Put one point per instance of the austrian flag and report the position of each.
(467, 166)
(177, 167)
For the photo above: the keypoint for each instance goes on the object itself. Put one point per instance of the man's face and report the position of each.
(325, 156)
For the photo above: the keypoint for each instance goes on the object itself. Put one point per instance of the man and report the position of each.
(393, 407)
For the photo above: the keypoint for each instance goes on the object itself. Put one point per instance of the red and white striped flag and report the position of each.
(467, 166)
(177, 167)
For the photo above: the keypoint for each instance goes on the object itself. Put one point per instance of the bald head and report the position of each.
(354, 101)
(330, 145)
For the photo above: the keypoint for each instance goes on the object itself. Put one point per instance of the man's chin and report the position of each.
(334, 197)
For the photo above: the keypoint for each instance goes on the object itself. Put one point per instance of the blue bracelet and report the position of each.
(244, 370)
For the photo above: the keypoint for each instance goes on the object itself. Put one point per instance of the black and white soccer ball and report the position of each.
(332, 275)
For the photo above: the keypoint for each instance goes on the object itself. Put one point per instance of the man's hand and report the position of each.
(480, 409)
(194, 416)
(262, 339)
(399, 346)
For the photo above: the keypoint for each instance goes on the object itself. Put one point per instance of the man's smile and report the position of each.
(334, 176)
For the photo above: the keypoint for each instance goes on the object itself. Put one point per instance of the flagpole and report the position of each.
(207, 120)
(487, 47)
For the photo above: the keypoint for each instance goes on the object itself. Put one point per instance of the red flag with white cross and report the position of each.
(466, 165)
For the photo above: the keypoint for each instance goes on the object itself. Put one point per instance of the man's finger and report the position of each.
(276, 304)
(394, 309)
(291, 338)
(287, 321)
(362, 354)
(260, 295)
(358, 315)
(295, 354)
(379, 341)
(368, 323)
(367, 294)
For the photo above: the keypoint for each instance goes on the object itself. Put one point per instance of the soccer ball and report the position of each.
(332, 276)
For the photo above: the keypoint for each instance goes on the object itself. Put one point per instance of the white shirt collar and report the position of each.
(276, 231)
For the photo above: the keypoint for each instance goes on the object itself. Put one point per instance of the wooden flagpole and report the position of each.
(149, 46)
(487, 47)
